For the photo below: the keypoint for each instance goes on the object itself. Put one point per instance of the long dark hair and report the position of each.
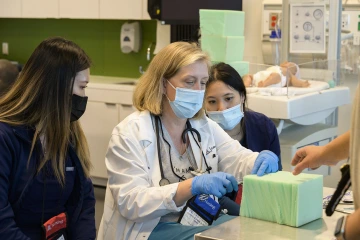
(228, 75)
(41, 98)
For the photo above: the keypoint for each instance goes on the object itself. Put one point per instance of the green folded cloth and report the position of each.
(242, 67)
(222, 22)
(223, 49)
(283, 198)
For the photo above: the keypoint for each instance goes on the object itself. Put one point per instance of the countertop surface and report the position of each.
(112, 83)
(249, 228)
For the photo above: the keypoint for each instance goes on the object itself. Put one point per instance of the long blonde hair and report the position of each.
(355, 150)
(41, 98)
(149, 91)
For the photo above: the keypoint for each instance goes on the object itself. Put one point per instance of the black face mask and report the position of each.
(78, 106)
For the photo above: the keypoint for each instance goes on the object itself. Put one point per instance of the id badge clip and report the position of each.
(55, 227)
(200, 210)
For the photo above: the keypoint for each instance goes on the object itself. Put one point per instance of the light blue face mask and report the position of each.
(228, 118)
(187, 102)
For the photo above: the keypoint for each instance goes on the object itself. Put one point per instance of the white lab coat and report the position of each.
(134, 201)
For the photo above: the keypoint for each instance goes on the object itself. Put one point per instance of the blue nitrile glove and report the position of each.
(217, 184)
(266, 162)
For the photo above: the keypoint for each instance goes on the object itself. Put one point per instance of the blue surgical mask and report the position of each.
(187, 102)
(228, 118)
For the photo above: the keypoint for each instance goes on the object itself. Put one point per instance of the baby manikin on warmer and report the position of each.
(263, 75)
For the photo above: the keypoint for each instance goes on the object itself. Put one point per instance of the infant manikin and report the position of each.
(275, 76)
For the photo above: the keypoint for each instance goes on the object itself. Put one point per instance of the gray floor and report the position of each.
(99, 207)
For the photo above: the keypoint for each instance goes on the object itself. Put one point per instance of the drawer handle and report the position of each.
(127, 105)
(110, 104)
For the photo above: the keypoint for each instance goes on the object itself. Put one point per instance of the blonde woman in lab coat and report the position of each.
(154, 168)
(344, 146)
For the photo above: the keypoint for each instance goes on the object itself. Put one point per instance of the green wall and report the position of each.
(99, 39)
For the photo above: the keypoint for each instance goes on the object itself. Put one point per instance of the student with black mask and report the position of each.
(45, 189)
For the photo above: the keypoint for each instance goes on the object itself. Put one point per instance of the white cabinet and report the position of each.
(10, 8)
(40, 8)
(98, 122)
(108, 105)
(81, 9)
(76, 9)
(145, 14)
(121, 9)
(125, 110)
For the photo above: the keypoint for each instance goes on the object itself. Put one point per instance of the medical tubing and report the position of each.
(190, 129)
(183, 136)
(158, 147)
(277, 27)
(208, 169)
(171, 165)
(198, 143)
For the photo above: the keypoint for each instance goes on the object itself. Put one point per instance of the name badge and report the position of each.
(55, 227)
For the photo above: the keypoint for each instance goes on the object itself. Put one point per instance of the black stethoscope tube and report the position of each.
(192, 130)
(164, 181)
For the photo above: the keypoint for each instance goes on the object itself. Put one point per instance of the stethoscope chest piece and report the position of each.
(164, 182)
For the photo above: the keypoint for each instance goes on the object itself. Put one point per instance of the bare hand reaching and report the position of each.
(308, 157)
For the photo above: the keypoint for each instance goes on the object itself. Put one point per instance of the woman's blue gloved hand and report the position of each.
(266, 162)
(217, 184)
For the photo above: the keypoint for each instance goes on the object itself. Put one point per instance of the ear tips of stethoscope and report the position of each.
(198, 172)
(207, 169)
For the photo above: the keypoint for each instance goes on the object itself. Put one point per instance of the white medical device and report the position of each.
(307, 28)
(130, 37)
(272, 15)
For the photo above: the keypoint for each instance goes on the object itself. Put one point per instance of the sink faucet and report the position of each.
(141, 71)
(148, 54)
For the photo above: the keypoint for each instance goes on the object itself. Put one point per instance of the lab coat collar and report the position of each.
(146, 131)
(147, 138)
(199, 122)
(147, 128)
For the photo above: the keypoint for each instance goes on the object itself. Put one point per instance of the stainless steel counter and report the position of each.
(249, 228)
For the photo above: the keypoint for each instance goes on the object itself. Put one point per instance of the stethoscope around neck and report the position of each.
(164, 181)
